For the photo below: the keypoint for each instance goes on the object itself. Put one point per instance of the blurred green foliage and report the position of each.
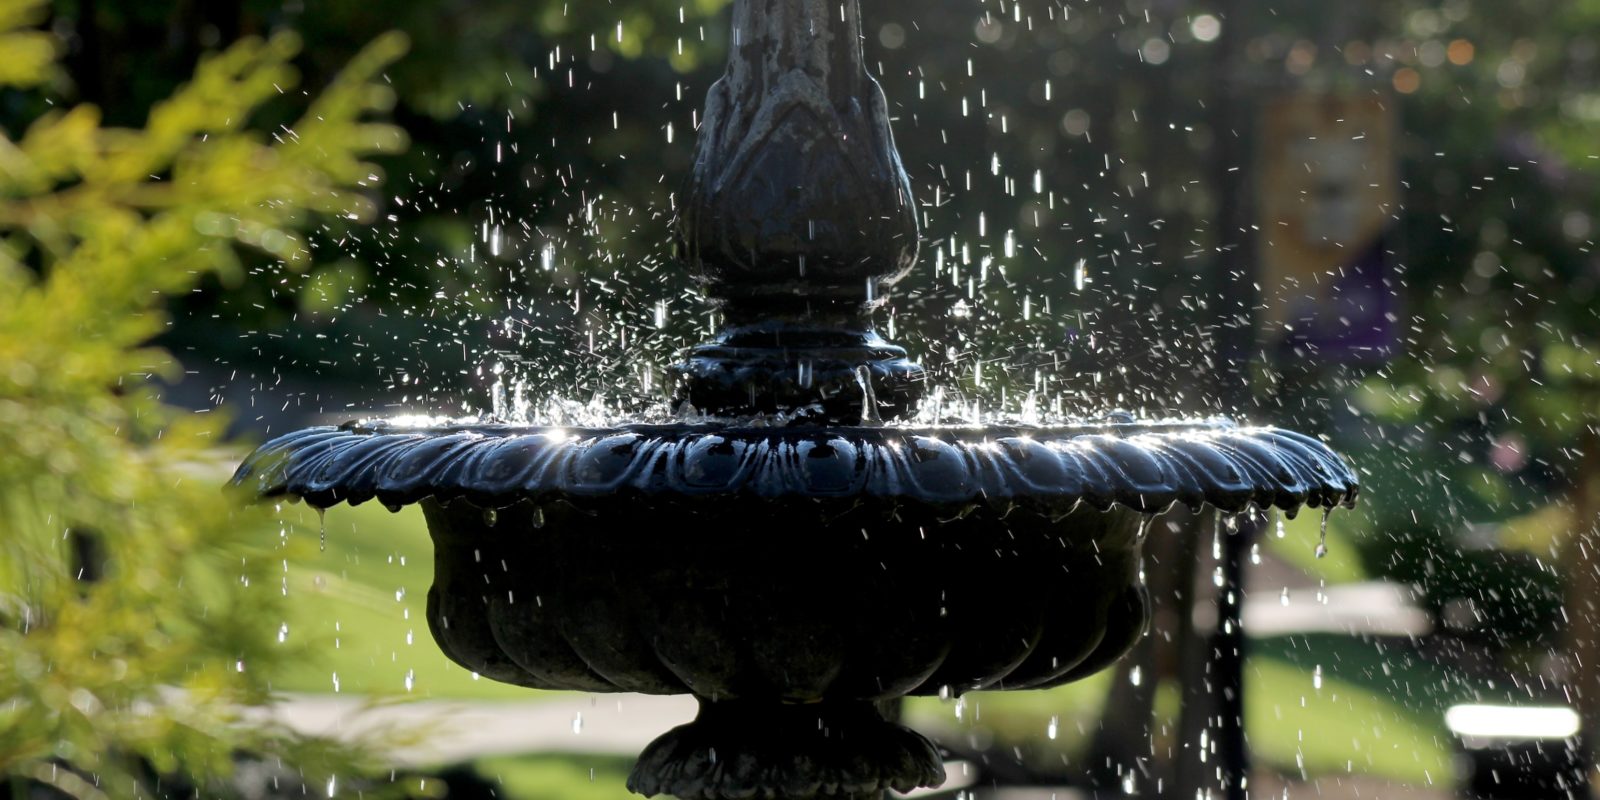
(139, 607)
(1485, 417)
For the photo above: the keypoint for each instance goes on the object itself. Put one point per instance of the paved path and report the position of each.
(453, 731)
(460, 730)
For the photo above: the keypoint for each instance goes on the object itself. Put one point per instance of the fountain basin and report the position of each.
(795, 575)
(793, 565)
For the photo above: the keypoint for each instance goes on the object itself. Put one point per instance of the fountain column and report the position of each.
(797, 219)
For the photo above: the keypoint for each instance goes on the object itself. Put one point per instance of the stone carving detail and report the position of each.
(1144, 467)
(798, 204)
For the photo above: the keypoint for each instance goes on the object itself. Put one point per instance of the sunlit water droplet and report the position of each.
(1322, 538)
(1054, 725)
(1316, 677)
(1136, 676)
(322, 529)
(869, 399)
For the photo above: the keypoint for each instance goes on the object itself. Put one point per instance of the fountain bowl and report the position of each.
(793, 575)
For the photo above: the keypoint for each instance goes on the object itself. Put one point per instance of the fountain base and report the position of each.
(840, 750)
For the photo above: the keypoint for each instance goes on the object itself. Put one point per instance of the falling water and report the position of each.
(1322, 538)
(869, 400)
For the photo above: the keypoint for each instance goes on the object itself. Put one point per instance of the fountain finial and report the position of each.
(796, 219)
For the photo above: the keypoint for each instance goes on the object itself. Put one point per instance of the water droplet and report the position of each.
(1051, 729)
(577, 722)
(1136, 675)
(1322, 538)
(1316, 677)
(536, 519)
(869, 399)
(322, 529)
(490, 517)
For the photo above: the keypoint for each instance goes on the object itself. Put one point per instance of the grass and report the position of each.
(365, 597)
(1306, 730)
(1379, 711)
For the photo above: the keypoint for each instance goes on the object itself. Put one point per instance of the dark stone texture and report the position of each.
(780, 600)
(1051, 469)
(797, 219)
(781, 367)
(798, 204)
(845, 751)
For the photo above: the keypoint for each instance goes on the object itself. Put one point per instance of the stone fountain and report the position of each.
(794, 577)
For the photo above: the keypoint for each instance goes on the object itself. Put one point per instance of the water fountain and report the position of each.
(788, 552)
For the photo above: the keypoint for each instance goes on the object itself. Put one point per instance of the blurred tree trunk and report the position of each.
(1131, 737)
(87, 64)
(1583, 585)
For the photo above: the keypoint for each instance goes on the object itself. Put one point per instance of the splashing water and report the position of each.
(869, 399)
(1322, 539)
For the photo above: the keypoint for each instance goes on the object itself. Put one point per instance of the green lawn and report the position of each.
(1348, 724)
(365, 600)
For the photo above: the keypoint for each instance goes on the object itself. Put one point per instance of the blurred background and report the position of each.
(1369, 221)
